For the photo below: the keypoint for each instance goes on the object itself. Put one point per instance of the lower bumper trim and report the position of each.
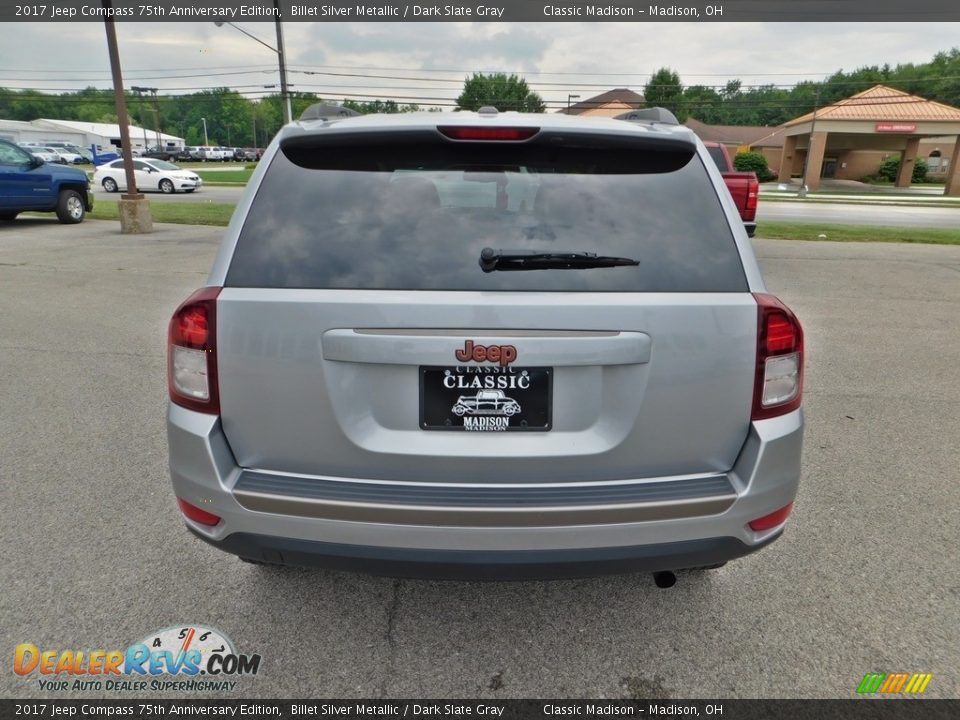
(485, 565)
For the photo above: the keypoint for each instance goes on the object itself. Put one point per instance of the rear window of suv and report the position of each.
(414, 211)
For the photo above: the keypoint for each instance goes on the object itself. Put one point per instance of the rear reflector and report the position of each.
(778, 381)
(488, 133)
(777, 517)
(196, 514)
(192, 353)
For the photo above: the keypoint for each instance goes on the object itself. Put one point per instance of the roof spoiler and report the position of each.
(649, 115)
(327, 111)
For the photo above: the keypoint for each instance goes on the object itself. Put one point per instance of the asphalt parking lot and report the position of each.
(866, 578)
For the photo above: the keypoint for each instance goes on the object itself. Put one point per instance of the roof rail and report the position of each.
(649, 115)
(327, 111)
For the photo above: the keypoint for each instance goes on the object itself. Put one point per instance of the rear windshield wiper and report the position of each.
(491, 260)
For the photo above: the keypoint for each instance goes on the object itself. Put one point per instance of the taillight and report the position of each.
(777, 517)
(455, 132)
(196, 514)
(753, 190)
(192, 353)
(778, 383)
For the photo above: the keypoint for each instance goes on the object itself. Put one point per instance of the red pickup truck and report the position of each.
(743, 186)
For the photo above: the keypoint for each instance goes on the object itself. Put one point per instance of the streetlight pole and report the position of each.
(206, 140)
(281, 57)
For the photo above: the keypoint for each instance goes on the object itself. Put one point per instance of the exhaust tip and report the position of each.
(664, 579)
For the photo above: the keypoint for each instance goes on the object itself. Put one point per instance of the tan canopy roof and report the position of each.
(883, 103)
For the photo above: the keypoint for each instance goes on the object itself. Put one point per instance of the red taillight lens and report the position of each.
(193, 328)
(753, 192)
(192, 353)
(488, 133)
(777, 517)
(778, 381)
(196, 514)
(781, 334)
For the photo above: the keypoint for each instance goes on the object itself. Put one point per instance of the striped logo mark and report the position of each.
(894, 683)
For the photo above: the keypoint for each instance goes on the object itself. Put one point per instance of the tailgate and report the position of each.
(324, 383)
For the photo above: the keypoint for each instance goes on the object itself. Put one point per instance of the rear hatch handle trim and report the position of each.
(404, 348)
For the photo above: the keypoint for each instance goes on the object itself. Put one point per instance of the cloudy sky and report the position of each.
(339, 60)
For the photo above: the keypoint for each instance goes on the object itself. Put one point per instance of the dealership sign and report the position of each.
(893, 127)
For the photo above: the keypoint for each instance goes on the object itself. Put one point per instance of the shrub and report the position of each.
(891, 166)
(753, 162)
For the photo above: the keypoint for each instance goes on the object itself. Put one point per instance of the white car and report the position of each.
(67, 156)
(44, 153)
(149, 175)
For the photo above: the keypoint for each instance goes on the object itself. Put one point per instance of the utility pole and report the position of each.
(134, 207)
(156, 120)
(156, 113)
(206, 140)
(284, 91)
(143, 122)
(281, 57)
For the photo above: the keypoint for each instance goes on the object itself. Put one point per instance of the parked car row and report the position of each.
(58, 152)
(207, 153)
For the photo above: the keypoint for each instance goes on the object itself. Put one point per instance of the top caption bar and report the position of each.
(492, 11)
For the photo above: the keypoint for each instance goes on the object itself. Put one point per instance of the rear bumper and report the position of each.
(515, 531)
(485, 565)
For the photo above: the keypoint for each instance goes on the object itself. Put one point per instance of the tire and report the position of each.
(70, 207)
(110, 185)
(166, 187)
(8, 216)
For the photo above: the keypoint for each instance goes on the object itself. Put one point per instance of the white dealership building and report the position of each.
(83, 134)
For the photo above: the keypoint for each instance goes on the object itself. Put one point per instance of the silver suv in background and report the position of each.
(385, 277)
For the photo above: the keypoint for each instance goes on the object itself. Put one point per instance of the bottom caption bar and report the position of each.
(852, 709)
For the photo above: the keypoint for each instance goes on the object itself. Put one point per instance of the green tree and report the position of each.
(665, 90)
(703, 103)
(379, 106)
(504, 92)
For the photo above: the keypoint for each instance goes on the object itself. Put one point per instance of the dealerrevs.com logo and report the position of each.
(184, 658)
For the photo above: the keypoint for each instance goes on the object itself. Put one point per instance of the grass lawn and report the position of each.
(238, 177)
(186, 213)
(857, 233)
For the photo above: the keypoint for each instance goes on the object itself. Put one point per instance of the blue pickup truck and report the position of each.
(28, 183)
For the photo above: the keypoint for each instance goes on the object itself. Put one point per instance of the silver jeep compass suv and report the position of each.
(486, 345)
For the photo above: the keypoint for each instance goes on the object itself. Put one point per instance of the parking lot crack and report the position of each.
(392, 609)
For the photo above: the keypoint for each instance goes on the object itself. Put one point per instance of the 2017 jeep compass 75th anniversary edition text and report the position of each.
(486, 345)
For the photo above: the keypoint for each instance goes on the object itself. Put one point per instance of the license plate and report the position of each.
(485, 399)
